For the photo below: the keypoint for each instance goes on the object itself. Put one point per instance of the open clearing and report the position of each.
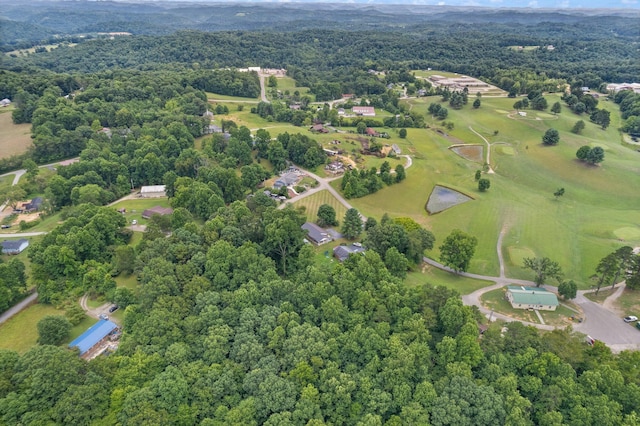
(14, 138)
(19, 333)
(136, 206)
(313, 202)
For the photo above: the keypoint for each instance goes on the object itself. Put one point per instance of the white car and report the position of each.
(631, 318)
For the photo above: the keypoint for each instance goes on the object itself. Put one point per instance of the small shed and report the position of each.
(396, 149)
(522, 297)
(14, 246)
(315, 234)
(94, 335)
(342, 253)
(159, 210)
(5, 102)
(153, 191)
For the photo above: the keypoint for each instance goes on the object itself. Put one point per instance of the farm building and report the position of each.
(396, 149)
(153, 191)
(14, 246)
(286, 179)
(316, 235)
(319, 128)
(522, 297)
(96, 334)
(162, 211)
(343, 252)
(366, 111)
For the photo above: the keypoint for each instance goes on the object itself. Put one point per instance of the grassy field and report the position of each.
(288, 83)
(599, 212)
(20, 333)
(313, 202)
(14, 138)
(629, 302)
(136, 206)
(437, 277)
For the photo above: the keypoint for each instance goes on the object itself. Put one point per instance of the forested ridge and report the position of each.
(480, 51)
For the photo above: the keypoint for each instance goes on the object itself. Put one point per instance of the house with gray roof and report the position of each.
(522, 297)
(286, 179)
(342, 253)
(14, 246)
(315, 234)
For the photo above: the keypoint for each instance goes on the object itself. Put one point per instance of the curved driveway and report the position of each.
(600, 321)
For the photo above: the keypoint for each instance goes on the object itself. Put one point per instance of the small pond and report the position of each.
(442, 198)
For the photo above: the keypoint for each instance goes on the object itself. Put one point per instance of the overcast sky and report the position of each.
(553, 4)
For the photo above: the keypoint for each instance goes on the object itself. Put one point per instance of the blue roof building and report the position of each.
(93, 335)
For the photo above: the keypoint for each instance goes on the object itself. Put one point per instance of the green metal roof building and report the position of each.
(522, 297)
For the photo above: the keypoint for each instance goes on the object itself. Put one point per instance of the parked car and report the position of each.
(134, 222)
(638, 325)
(5, 226)
(103, 317)
(113, 309)
(630, 318)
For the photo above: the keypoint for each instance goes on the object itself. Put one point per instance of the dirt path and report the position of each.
(488, 161)
(610, 301)
(96, 312)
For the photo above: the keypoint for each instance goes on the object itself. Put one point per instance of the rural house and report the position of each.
(316, 235)
(33, 205)
(286, 179)
(342, 253)
(153, 191)
(14, 246)
(538, 298)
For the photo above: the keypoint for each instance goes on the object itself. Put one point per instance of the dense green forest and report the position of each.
(221, 333)
(232, 321)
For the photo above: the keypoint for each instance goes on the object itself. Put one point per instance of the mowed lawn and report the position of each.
(20, 333)
(136, 206)
(314, 201)
(599, 212)
(14, 138)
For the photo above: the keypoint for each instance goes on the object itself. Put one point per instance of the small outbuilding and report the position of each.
(93, 336)
(522, 297)
(366, 111)
(33, 206)
(315, 234)
(5, 102)
(14, 246)
(342, 253)
(162, 211)
(153, 191)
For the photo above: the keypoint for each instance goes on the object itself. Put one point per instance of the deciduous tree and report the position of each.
(551, 137)
(544, 268)
(457, 250)
(53, 329)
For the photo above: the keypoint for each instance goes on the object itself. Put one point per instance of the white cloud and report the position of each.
(533, 3)
(441, 3)
(495, 1)
(629, 1)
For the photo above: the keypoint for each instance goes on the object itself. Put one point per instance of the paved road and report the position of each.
(323, 183)
(18, 307)
(263, 92)
(599, 322)
(22, 234)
